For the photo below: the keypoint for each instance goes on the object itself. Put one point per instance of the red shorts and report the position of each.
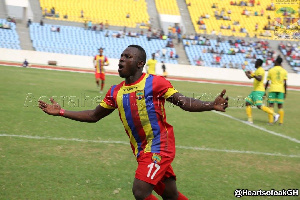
(154, 168)
(100, 76)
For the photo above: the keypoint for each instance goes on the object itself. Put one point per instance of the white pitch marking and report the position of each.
(260, 128)
(122, 142)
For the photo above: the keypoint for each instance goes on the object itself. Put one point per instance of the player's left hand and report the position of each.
(220, 104)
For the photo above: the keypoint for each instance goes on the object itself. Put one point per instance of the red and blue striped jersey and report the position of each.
(142, 112)
(100, 62)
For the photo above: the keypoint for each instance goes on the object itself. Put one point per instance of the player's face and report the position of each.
(128, 63)
(101, 51)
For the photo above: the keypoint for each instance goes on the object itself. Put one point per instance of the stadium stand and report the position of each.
(97, 11)
(9, 38)
(292, 54)
(245, 18)
(169, 7)
(79, 41)
(229, 54)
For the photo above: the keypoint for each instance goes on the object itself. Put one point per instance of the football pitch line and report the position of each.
(127, 143)
(260, 128)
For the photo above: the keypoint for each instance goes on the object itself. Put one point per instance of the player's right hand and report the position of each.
(50, 109)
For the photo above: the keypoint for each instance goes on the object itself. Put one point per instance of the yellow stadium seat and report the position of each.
(100, 10)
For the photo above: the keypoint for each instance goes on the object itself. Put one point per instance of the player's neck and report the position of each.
(132, 79)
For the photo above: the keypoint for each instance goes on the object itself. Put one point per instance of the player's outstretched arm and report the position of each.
(196, 105)
(83, 116)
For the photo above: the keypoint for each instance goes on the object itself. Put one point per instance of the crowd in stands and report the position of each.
(292, 54)
(203, 51)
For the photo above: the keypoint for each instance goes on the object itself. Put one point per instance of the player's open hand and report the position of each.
(51, 109)
(220, 104)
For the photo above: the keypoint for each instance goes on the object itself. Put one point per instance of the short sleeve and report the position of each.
(285, 75)
(260, 72)
(109, 101)
(162, 87)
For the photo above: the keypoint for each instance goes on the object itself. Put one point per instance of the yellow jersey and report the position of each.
(259, 85)
(277, 75)
(151, 66)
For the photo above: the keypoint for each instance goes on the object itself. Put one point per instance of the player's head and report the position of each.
(101, 51)
(278, 61)
(132, 60)
(153, 56)
(258, 63)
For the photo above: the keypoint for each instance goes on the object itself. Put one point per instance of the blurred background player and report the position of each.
(277, 93)
(256, 96)
(151, 65)
(100, 61)
(163, 66)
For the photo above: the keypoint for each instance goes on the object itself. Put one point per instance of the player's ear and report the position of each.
(141, 64)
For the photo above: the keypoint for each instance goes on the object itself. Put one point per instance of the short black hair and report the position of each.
(142, 52)
(278, 60)
(260, 62)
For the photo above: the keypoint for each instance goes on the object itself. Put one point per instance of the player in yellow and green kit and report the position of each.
(277, 93)
(256, 96)
(151, 64)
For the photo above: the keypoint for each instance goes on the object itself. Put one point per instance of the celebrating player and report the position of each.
(256, 96)
(277, 93)
(100, 61)
(140, 101)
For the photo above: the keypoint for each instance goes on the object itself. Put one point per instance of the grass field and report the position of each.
(46, 157)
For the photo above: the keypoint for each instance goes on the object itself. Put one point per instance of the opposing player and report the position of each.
(277, 92)
(100, 61)
(256, 96)
(151, 64)
(140, 101)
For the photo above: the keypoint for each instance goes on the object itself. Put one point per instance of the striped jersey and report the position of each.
(100, 61)
(141, 110)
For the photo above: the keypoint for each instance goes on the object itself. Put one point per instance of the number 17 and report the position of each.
(150, 170)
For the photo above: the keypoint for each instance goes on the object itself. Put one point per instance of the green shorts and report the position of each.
(255, 98)
(276, 97)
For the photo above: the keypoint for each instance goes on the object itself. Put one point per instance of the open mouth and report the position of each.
(120, 67)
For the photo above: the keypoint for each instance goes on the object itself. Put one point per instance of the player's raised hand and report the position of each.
(50, 109)
(220, 104)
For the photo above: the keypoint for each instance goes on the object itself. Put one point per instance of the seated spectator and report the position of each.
(25, 63)
(128, 15)
(214, 6)
(229, 27)
(171, 54)
(207, 16)
(255, 13)
(65, 16)
(58, 29)
(229, 12)
(53, 29)
(187, 43)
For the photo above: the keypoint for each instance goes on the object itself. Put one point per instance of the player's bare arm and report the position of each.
(83, 116)
(196, 105)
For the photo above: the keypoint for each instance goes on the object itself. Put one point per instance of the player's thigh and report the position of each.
(170, 191)
(141, 189)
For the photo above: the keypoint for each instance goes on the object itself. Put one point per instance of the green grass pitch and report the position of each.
(46, 157)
